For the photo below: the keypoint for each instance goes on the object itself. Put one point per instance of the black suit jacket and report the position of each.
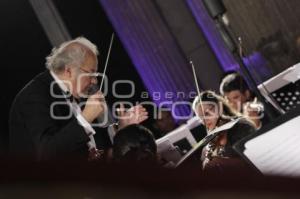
(36, 135)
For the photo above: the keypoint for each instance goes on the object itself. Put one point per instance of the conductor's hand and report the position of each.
(94, 107)
(135, 115)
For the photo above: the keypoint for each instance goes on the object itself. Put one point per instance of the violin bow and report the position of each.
(198, 92)
(107, 59)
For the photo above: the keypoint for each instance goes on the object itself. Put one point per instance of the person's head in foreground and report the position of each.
(134, 144)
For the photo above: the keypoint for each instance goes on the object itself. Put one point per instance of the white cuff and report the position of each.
(87, 127)
(112, 132)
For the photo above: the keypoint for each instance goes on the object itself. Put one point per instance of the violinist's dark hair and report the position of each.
(133, 144)
(232, 82)
(227, 113)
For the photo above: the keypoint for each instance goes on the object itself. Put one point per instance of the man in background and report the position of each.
(235, 90)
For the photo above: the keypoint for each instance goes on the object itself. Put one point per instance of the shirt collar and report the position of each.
(60, 83)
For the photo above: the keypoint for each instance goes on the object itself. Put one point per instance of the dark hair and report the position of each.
(233, 82)
(134, 143)
(209, 96)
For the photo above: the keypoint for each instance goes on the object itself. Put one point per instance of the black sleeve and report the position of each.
(102, 138)
(240, 130)
(51, 138)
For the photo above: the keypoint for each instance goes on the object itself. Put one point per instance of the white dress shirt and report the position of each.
(77, 113)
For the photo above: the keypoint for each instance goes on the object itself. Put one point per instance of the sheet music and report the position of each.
(177, 134)
(277, 151)
(226, 126)
(165, 145)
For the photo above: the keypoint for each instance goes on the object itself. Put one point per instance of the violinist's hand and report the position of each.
(254, 110)
(134, 115)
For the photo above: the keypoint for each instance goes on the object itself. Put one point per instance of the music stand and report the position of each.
(273, 148)
(283, 90)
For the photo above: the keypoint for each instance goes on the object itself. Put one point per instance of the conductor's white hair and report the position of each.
(67, 54)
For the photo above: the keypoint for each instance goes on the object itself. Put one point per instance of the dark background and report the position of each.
(262, 22)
